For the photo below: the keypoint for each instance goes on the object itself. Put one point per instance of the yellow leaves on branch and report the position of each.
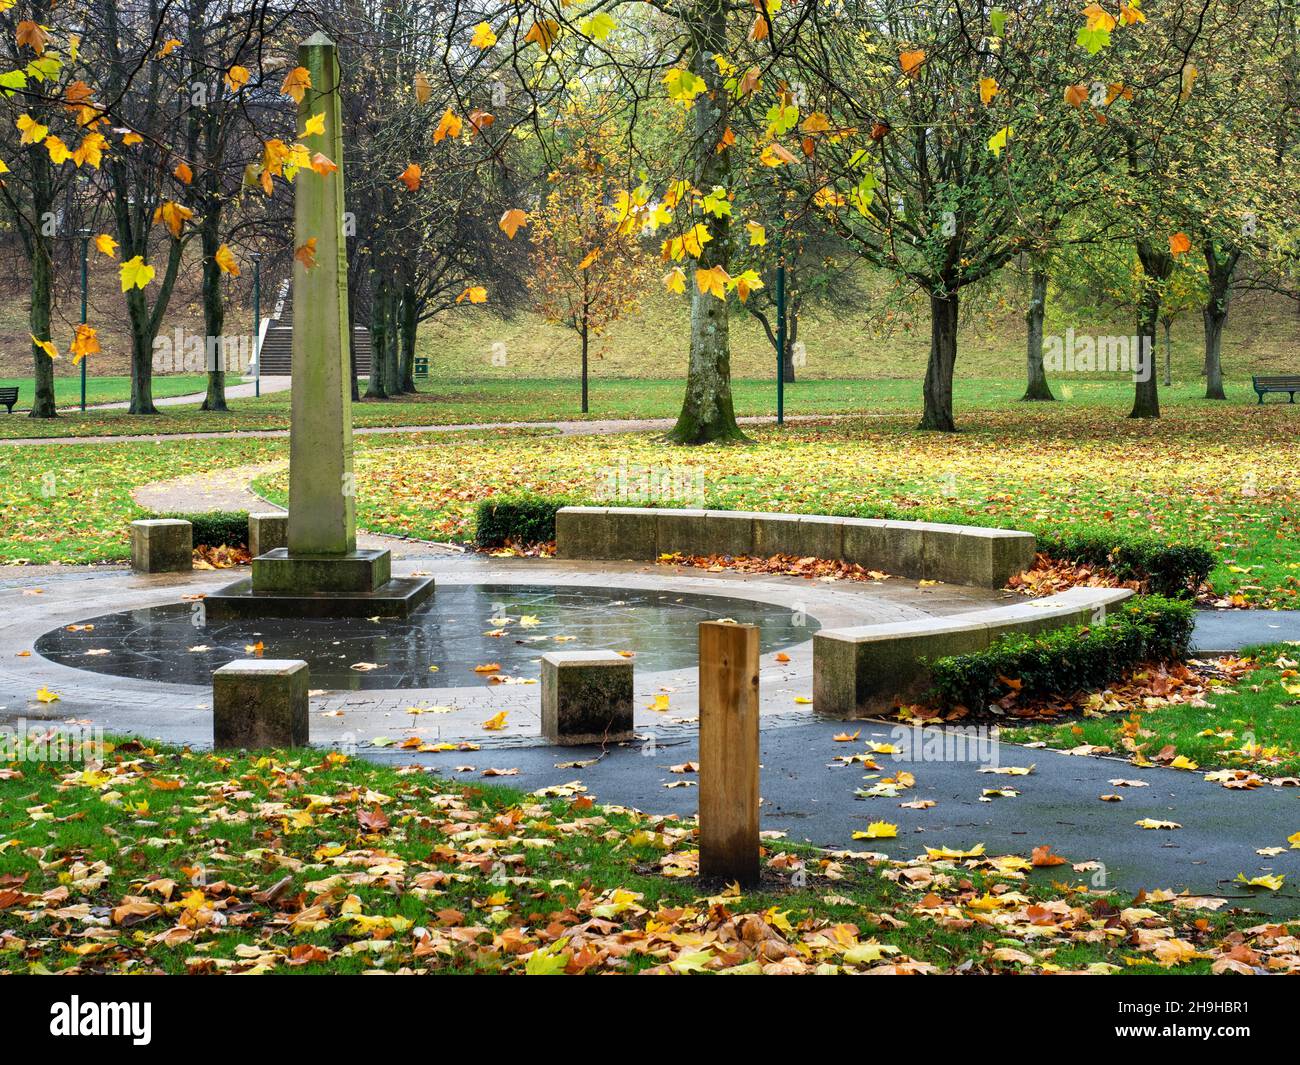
(85, 341)
(448, 126)
(172, 215)
(45, 346)
(689, 243)
(411, 176)
(716, 282)
(543, 33)
(236, 77)
(512, 221)
(225, 260)
(29, 34)
(483, 36)
(296, 83)
(32, 132)
(757, 234)
(106, 245)
(998, 141)
(473, 294)
(675, 280)
(911, 61)
(314, 126)
(169, 46)
(135, 273)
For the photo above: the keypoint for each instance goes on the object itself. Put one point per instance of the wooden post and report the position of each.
(729, 751)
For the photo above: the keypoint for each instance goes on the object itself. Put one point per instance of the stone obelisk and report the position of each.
(321, 572)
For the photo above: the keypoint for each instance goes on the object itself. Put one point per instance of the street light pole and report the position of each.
(780, 329)
(84, 234)
(257, 321)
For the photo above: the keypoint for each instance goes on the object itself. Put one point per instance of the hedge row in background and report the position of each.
(1149, 628)
(1167, 569)
(524, 518)
(217, 528)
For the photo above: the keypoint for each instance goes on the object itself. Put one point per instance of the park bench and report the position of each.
(9, 396)
(1289, 383)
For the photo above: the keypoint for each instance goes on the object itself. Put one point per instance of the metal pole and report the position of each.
(780, 330)
(84, 234)
(257, 322)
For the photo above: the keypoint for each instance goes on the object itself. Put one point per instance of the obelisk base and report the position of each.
(358, 584)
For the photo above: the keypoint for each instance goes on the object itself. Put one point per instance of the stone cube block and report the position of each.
(162, 545)
(586, 697)
(259, 703)
(267, 531)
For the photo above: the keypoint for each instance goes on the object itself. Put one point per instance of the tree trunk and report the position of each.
(584, 334)
(39, 320)
(1169, 352)
(1036, 386)
(392, 369)
(410, 324)
(214, 313)
(1156, 268)
(707, 413)
(1220, 269)
(943, 357)
(1214, 352)
(378, 337)
(137, 308)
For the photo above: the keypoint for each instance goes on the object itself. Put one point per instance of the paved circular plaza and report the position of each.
(42, 619)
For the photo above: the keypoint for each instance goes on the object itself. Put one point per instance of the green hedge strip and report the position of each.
(1149, 628)
(217, 528)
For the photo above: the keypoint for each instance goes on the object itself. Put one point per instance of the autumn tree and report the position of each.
(586, 274)
(939, 135)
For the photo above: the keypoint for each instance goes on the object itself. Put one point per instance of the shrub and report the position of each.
(1078, 658)
(1168, 569)
(217, 528)
(522, 518)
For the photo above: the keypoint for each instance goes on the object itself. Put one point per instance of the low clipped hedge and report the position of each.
(524, 517)
(1151, 628)
(1168, 569)
(217, 528)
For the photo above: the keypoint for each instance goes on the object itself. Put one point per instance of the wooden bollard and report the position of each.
(729, 751)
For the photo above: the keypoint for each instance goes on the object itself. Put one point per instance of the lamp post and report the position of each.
(84, 234)
(257, 321)
(780, 329)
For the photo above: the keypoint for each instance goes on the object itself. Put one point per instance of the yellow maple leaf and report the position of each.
(511, 222)
(106, 245)
(712, 282)
(314, 126)
(296, 83)
(236, 77)
(496, 722)
(448, 126)
(32, 131)
(911, 61)
(135, 273)
(483, 36)
(172, 215)
(45, 346)
(675, 280)
(47, 696)
(878, 830)
(85, 341)
(225, 260)
(474, 294)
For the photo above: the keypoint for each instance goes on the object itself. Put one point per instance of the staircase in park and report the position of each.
(277, 340)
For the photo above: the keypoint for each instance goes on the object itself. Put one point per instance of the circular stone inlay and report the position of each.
(171, 643)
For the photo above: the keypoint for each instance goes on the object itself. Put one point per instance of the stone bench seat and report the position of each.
(871, 667)
(956, 554)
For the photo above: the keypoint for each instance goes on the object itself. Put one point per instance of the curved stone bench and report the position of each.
(957, 554)
(871, 667)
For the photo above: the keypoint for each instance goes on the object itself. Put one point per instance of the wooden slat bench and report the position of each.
(9, 396)
(1289, 383)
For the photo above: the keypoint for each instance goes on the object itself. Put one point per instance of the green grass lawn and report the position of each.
(1230, 485)
(1253, 724)
(312, 862)
(552, 399)
(67, 391)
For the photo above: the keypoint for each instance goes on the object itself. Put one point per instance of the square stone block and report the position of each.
(729, 532)
(893, 547)
(986, 558)
(259, 703)
(356, 571)
(267, 531)
(586, 697)
(776, 534)
(162, 545)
